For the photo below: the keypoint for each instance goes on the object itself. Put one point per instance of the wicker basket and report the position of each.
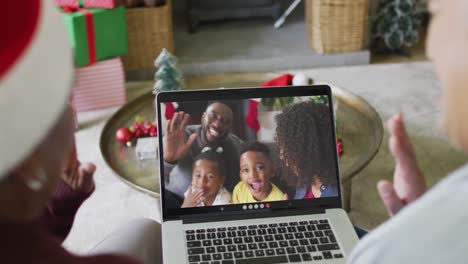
(149, 31)
(336, 25)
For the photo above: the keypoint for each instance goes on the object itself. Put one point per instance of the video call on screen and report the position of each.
(248, 151)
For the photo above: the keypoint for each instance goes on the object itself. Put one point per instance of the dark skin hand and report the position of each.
(193, 199)
(78, 176)
(176, 147)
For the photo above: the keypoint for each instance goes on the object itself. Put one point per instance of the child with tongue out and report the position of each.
(256, 170)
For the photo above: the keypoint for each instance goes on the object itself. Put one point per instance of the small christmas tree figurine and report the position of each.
(396, 24)
(168, 77)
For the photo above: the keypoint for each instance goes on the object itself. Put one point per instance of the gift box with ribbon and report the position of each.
(96, 34)
(89, 3)
(99, 86)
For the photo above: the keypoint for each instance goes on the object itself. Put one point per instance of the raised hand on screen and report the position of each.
(194, 198)
(176, 146)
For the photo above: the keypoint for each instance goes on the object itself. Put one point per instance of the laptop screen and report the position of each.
(247, 151)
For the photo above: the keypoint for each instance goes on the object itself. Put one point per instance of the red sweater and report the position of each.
(40, 242)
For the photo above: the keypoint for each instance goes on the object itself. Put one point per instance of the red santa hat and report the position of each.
(36, 74)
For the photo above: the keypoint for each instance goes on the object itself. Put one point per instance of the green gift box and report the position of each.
(96, 34)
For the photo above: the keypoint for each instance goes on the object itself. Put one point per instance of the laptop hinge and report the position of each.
(192, 219)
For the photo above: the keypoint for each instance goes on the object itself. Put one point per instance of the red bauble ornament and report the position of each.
(339, 146)
(123, 135)
(139, 128)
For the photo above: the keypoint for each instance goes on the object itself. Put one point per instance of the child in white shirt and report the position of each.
(208, 176)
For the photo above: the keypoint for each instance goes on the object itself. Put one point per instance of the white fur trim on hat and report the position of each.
(34, 92)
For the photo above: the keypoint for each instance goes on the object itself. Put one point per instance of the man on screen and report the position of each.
(183, 142)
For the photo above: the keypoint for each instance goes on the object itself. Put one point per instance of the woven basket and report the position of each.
(149, 31)
(336, 25)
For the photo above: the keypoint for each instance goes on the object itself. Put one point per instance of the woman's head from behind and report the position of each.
(447, 47)
(305, 141)
(33, 95)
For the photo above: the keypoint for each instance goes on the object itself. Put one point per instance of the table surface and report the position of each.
(408, 88)
(358, 124)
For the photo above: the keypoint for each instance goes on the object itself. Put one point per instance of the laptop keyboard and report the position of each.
(263, 244)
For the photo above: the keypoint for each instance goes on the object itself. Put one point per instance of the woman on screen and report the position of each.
(306, 149)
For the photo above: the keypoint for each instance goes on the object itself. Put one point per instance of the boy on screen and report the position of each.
(256, 170)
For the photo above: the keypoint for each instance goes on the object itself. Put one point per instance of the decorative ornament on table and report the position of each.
(168, 77)
(339, 145)
(124, 136)
(147, 148)
(140, 128)
(395, 26)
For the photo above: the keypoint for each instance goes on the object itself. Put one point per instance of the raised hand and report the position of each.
(408, 181)
(79, 176)
(175, 144)
(193, 199)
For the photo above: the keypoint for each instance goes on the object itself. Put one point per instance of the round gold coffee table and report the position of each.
(358, 123)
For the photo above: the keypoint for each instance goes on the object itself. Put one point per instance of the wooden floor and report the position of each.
(417, 53)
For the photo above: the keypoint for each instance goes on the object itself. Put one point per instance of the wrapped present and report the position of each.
(96, 34)
(89, 3)
(98, 86)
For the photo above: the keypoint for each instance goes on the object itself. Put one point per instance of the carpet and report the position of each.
(409, 88)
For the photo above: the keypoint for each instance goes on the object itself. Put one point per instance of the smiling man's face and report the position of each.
(216, 122)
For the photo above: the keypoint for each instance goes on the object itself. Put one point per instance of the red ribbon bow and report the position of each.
(69, 9)
(89, 21)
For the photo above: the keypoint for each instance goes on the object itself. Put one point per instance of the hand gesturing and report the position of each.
(175, 144)
(193, 199)
(408, 181)
(79, 176)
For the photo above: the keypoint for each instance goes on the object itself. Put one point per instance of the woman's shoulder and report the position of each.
(328, 190)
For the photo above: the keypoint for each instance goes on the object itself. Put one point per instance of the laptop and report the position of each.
(291, 223)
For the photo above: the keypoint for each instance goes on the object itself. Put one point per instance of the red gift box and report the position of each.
(89, 3)
(99, 86)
